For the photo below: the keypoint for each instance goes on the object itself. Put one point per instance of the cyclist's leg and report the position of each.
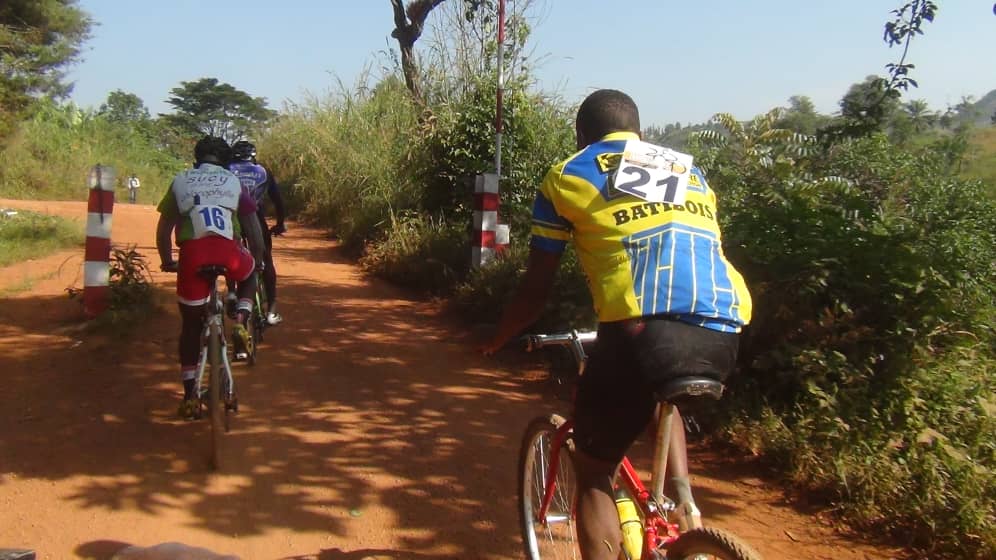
(192, 293)
(612, 408)
(241, 268)
(599, 534)
(677, 349)
(269, 274)
(241, 265)
(191, 324)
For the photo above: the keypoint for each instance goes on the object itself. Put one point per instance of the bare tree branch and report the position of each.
(408, 25)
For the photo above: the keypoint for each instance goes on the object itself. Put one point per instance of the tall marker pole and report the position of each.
(96, 265)
(490, 237)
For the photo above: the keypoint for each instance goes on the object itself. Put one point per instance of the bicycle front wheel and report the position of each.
(555, 536)
(710, 544)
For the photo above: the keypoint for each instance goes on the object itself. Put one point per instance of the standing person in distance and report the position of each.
(669, 305)
(209, 211)
(261, 183)
(133, 185)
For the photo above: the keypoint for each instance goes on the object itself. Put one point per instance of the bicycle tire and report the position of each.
(216, 408)
(255, 337)
(557, 538)
(710, 543)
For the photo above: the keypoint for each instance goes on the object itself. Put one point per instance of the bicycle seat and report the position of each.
(212, 271)
(691, 386)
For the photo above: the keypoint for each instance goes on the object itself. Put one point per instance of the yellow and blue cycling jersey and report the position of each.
(641, 258)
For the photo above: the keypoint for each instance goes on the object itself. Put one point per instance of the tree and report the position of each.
(122, 107)
(218, 109)
(38, 40)
(801, 116)
(920, 116)
(870, 104)
(408, 25)
(866, 109)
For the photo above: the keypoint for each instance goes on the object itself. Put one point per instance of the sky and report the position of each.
(680, 61)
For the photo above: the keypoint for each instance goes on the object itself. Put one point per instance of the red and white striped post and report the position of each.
(490, 237)
(96, 266)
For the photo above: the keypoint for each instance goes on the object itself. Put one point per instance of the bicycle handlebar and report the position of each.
(534, 341)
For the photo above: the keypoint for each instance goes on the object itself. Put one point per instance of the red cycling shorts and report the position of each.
(191, 288)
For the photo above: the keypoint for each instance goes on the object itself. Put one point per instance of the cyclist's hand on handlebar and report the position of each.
(278, 229)
(171, 266)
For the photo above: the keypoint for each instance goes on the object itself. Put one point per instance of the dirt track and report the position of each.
(370, 429)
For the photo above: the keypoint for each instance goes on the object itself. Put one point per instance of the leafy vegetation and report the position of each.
(28, 235)
(52, 153)
(40, 38)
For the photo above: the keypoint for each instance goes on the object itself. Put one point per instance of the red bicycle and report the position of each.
(654, 527)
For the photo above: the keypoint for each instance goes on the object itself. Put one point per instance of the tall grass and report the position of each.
(27, 235)
(343, 159)
(50, 156)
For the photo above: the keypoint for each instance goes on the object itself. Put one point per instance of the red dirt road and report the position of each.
(370, 429)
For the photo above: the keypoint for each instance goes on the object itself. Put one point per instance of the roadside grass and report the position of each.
(28, 235)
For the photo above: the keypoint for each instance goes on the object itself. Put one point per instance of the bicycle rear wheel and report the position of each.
(710, 544)
(216, 408)
(556, 536)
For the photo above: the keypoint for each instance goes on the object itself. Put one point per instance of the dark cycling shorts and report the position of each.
(630, 360)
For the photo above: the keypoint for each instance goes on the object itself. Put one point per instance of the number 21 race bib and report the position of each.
(653, 173)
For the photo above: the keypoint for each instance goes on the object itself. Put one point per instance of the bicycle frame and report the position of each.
(657, 531)
(214, 326)
(653, 505)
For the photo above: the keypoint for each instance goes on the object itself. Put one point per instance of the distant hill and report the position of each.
(979, 113)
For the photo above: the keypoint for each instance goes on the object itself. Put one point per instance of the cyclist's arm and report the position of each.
(252, 231)
(164, 238)
(273, 191)
(169, 217)
(527, 304)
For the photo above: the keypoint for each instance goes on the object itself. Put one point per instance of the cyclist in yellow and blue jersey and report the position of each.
(641, 258)
(669, 304)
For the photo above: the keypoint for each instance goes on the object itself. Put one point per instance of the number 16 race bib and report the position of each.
(212, 220)
(653, 173)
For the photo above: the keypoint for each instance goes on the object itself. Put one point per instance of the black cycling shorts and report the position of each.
(629, 361)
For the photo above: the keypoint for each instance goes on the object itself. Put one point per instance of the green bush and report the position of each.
(131, 297)
(872, 269)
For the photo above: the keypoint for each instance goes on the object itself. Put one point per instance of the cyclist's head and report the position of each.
(212, 149)
(603, 112)
(243, 150)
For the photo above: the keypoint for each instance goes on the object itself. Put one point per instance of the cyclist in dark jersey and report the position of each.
(260, 182)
